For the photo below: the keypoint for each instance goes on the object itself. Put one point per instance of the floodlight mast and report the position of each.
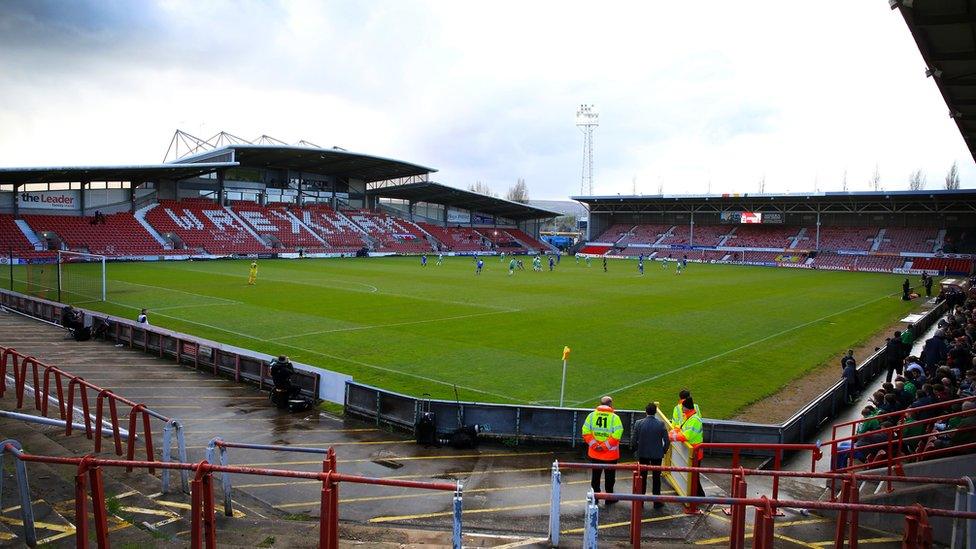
(587, 119)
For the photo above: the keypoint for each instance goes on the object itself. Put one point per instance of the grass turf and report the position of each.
(732, 334)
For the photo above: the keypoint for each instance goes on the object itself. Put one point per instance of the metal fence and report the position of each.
(515, 423)
(201, 354)
(523, 423)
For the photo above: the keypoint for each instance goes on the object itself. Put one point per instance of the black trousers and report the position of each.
(892, 370)
(655, 476)
(611, 476)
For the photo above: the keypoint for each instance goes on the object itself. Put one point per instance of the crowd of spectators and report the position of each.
(944, 372)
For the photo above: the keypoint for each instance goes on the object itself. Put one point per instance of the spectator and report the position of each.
(143, 317)
(893, 356)
(935, 350)
(650, 443)
(891, 404)
(913, 364)
(849, 357)
(852, 382)
(907, 339)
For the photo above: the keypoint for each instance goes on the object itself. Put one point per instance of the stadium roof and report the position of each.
(334, 162)
(148, 172)
(945, 31)
(963, 200)
(436, 193)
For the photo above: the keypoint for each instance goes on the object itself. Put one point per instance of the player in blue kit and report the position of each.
(479, 265)
(640, 265)
(423, 260)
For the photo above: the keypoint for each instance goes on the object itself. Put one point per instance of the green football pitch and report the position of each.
(733, 334)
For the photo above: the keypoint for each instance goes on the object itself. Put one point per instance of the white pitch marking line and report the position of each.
(179, 291)
(373, 289)
(713, 357)
(334, 357)
(154, 309)
(410, 323)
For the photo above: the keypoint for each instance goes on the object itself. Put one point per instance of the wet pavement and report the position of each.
(506, 489)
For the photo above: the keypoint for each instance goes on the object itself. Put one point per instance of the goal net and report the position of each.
(80, 277)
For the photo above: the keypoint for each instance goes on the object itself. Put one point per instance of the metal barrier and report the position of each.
(203, 532)
(778, 451)
(217, 450)
(918, 532)
(896, 448)
(739, 485)
(104, 398)
(201, 354)
(965, 500)
(562, 425)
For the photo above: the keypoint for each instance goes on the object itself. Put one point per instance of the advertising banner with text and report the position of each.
(48, 200)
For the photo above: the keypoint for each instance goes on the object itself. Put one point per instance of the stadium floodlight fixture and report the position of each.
(932, 71)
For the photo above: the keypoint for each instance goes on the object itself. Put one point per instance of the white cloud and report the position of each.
(688, 92)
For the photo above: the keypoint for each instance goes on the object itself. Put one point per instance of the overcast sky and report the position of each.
(693, 96)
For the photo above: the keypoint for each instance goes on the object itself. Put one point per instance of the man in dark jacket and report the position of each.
(650, 443)
(281, 372)
(893, 356)
(934, 350)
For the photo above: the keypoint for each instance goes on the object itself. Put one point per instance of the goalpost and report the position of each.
(81, 277)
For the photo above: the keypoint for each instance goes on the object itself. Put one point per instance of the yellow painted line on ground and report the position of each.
(407, 458)
(464, 512)
(860, 541)
(522, 543)
(801, 543)
(400, 477)
(6, 537)
(15, 507)
(41, 525)
(143, 511)
(428, 493)
(627, 523)
(178, 407)
(126, 494)
(186, 506)
(56, 537)
(324, 444)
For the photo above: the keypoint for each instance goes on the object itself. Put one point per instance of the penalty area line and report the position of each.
(409, 323)
(335, 357)
(730, 351)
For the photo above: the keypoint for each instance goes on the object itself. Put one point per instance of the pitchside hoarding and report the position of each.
(48, 200)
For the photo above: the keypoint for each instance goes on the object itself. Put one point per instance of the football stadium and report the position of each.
(264, 344)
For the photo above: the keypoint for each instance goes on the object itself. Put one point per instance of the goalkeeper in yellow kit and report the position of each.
(252, 273)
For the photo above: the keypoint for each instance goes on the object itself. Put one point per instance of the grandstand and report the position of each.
(311, 200)
(899, 231)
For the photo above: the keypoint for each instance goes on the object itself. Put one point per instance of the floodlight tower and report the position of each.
(587, 119)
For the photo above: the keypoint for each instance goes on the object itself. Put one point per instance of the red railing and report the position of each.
(203, 531)
(917, 533)
(105, 398)
(42, 393)
(854, 425)
(779, 450)
(896, 448)
(738, 501)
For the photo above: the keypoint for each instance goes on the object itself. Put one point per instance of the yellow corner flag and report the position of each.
(565, 353)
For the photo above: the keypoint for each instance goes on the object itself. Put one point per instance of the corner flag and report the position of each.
(562, 388)
(566, 353)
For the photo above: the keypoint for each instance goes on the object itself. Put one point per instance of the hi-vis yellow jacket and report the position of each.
(602, 431)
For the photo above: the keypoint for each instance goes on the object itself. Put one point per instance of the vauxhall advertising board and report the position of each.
(48, 200)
